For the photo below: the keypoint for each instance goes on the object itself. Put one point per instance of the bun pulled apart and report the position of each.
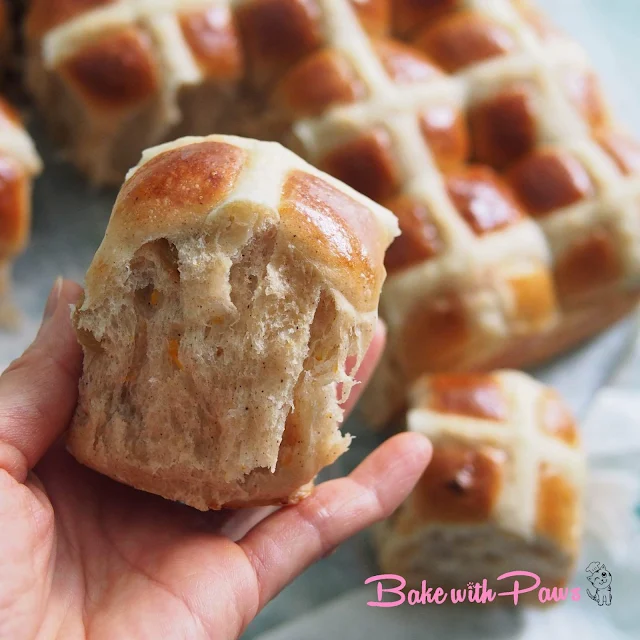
(233, 283)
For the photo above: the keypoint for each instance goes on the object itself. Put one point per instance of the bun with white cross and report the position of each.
(503, 491)
(477, 123)
(233, 285)
(19, 164)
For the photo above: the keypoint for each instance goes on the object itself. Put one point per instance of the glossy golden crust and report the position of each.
(472, 395)
(565, 272)
(588, 265)
(374, 15)
(214, 40)
(489, 397)
(463, 39)
(460, 485)
(441, 336)
(535, 300)
(503, 127)
(366, 164)
(577, 325)
(335, 229)
(246, 279)
(557, 509)
(556, 419)
(277, 34)
(420, 239)
(322, 80)
(547, 180)
(444, 129)
(117, 72)
(410, 15)
(404, 64)
(180, 185)
(482, 199)
(435, 336)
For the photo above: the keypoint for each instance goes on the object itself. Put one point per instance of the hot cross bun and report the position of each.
(233, 283)
(503, 490)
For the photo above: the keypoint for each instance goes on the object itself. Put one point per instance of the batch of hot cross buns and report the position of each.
(451, 163)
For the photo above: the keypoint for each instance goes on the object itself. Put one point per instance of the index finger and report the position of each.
(38, 391)
(288, 541)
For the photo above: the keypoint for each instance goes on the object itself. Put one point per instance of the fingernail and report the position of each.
(52, 300)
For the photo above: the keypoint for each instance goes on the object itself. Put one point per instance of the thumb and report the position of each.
(38, 391)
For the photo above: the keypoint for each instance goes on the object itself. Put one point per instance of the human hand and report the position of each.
(84, 556)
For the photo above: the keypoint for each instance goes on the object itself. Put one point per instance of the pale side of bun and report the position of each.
(233, 283)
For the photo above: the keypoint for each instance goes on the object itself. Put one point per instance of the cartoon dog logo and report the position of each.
(600, 577)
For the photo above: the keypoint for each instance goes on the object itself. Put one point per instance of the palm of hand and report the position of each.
(83, 556)
(114, 563)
